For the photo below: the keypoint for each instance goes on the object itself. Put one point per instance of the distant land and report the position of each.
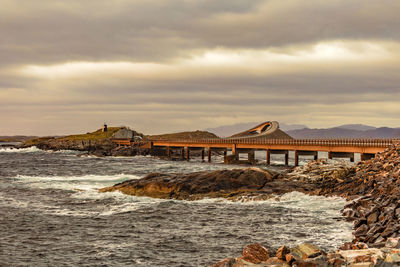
(300, 131)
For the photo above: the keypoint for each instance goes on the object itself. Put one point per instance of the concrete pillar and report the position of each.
(235, 152)
(329, 155)
(187, 153)
(168, 152)
(202, 154)
(296, 158)
(287, 158)
(352, 158)
(183, 153)
(268, 157)
(251, 156)
(316, 155)
(209, 154)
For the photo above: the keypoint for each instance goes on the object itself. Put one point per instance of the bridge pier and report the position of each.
(251, 156)
(202, 154)
(350, 155)
(187, 153)
(277, 152)
(268, 156)
(169, 152)
(298, 153)
(209, 154)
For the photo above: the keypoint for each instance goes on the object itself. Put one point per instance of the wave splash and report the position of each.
(31, 149)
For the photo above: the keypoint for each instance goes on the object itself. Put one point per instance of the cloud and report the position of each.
(175, 65)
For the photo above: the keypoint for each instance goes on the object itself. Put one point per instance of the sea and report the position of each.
(51, 214)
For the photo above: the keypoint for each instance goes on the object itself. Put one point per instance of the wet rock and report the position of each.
(363, 258)
(281, 253)
(305, 251)
(393, 258)
(361, 230)
(255, 253)
(350, 255)
(320, 261)
(373, 218)
(361, 264)
(336, 262)
(276, 262)
(289, 258)
(393, 242)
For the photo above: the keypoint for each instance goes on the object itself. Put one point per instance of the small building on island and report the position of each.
(125, 136)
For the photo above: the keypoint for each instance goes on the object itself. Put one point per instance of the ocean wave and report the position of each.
(34, 149)
(73, 183)
(20, 150)
(89, 177)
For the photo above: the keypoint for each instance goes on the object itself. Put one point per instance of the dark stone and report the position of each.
(255, 253)
(361, 230)
(281, 253)
(373, 218)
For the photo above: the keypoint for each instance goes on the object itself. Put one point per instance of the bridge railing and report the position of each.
(313, 142)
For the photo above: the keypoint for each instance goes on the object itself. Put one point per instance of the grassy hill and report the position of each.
(97, 135)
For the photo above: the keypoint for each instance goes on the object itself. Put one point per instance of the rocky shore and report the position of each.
(99, 148)
(372, 188)
(237, 184)
(309, 255)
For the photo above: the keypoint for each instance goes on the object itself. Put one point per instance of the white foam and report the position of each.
(34, 149)
(293, 199)
(20, 150)
(75, 183)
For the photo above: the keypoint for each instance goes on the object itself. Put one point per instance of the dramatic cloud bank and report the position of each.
(162, 66)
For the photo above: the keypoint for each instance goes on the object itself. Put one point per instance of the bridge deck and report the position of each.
(335, 147)
(327, 145)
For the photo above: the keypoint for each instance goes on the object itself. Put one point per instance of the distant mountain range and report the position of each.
(300, 131)
(342, 132)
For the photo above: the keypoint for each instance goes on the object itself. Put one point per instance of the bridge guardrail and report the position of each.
(319, 142)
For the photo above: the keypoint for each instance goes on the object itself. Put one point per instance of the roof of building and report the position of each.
(124, 133)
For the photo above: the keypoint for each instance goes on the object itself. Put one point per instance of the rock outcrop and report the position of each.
(224, 183)
(237, 184)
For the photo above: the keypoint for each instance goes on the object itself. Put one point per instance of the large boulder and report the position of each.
(255, 253)
(305, 251)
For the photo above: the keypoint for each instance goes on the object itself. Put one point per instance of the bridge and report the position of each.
(269, 138)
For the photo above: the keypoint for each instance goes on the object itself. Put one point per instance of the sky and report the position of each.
(162, 66)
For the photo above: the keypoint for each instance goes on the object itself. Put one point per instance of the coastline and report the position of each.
(371, 208)
(370, 186)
